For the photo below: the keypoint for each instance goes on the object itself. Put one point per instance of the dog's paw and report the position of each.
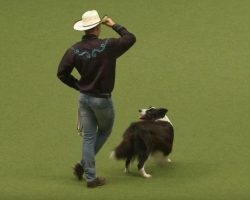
(147, 175)
(164, 161)
(144, 174)
(126, 171)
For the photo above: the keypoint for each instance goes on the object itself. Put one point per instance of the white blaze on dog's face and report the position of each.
(143, 111)
(153, 113)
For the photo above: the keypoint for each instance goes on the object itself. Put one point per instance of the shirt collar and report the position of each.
(89, 37)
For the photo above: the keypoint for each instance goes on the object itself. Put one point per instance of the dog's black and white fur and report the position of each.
(153, 133)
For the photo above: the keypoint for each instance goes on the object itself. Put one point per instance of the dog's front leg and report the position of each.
(163, 161)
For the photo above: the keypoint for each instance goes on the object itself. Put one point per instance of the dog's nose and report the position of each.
(140, 110)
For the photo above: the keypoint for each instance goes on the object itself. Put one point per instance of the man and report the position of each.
(95, 60)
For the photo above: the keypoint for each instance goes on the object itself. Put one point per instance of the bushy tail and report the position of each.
(123, 150)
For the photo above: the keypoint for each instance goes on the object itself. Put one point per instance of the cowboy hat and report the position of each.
(90, 19)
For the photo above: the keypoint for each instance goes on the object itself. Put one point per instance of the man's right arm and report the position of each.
(65, 68)
(122, 44)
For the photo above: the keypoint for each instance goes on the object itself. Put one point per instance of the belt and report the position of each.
(98, 95)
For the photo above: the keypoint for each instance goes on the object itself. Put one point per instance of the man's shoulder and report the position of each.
(77, 44)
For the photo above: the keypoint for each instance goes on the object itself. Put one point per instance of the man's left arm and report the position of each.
(65, 68)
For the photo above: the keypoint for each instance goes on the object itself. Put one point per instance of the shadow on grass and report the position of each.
(178, 172)
(174, 171)
(184, 170)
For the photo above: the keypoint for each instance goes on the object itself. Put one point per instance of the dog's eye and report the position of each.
(151, 107)
(150, 110)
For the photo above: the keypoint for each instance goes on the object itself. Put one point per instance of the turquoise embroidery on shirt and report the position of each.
(93, 53)
(85, 53)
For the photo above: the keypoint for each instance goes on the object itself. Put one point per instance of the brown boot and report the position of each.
(99, 181)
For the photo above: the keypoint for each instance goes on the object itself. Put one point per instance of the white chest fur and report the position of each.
(166, 119)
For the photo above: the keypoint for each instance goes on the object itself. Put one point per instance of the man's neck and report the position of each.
(89, 36)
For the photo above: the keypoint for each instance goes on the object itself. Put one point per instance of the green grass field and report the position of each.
(191, 56)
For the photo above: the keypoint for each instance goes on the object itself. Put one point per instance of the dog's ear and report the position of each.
(164, 111)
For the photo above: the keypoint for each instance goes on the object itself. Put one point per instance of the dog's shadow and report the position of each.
(185, 170)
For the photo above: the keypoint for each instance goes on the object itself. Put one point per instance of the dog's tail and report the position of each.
(123, 150)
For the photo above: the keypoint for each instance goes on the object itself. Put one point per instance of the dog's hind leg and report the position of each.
(142, 159)
(127, 163)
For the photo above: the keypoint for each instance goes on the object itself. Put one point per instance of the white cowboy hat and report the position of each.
(90, 19)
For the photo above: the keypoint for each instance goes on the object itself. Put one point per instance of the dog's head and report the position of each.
(152, 113)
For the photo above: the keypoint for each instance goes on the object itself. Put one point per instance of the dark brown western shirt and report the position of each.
(95, 60)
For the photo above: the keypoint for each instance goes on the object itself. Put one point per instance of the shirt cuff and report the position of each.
(117, 27)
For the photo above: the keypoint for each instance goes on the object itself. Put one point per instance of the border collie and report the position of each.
(153, 133)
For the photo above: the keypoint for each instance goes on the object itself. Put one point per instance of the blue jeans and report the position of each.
(96, 118)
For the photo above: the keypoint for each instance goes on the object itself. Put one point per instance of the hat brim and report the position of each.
(79, 26)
